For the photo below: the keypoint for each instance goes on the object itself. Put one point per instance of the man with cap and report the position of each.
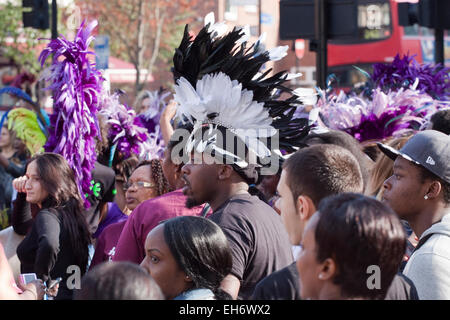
(419, 192)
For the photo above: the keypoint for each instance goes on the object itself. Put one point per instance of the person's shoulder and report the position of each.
(401, 288)
(46, 215)
(436, 247)
(167, 205)
(245, 203)
(166, 200)
(101, 170)
(286, 273)
(114, 227)
(279, 285)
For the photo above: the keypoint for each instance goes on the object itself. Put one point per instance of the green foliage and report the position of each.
(18, 43)
(4, 219)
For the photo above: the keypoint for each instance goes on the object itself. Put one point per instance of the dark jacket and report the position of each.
(47, 248)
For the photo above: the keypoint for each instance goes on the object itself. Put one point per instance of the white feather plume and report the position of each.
(234, 106)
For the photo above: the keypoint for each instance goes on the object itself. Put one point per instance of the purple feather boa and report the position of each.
(77, 87)
(403, 72)
(126, 129)
(387, 114)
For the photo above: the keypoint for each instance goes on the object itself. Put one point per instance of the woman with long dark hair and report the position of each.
(50, 204)
(188, 257)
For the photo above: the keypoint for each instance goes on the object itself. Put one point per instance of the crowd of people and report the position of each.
(332, 217)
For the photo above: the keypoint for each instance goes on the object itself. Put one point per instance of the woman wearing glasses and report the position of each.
(146, 182)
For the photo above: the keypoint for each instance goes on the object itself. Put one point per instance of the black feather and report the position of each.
(195, 58)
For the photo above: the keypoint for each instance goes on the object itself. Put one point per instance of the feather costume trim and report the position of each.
(218, 84)
(76, 86)
(387, 114)
(25, 123)
(403, 72)
(126, 129)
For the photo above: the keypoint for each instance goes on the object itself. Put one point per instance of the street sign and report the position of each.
(350, 21)
(101, 47)
(266, 18)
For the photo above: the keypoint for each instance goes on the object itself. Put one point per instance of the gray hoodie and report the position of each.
(429, 265)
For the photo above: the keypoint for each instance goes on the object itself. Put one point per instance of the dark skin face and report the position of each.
(404, 190)
(162, 266)
(210, 182)
(172, 171)
(268, 185)
(200, 178)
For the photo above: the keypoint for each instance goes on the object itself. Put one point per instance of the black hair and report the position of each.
(118, 281)
(201, 250)
(64, 198)
(358, 232)
(440, 121)
(346, 141)
(322, 170)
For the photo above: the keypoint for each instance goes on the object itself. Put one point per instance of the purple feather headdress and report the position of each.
(154, 146)
(76, 86)
(387, 114)
(126, 130)
(403, 72)
(150, 118)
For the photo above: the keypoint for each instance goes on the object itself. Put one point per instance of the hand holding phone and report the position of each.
(26, 278)
(52, 289)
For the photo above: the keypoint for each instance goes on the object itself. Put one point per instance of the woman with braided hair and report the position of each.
(146, 182)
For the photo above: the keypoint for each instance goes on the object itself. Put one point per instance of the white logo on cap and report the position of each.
(430, 161)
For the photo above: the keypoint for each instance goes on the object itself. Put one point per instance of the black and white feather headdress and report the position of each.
(219, 89)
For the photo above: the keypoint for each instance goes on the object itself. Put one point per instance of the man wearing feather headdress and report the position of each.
(238, 121)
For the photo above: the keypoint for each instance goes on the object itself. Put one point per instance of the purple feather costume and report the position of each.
(76, 86)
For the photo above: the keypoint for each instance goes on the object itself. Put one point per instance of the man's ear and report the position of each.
(328, 269)
(178, 170)
(224, 172)
(305, 207)
(187, 279)
(434, 190)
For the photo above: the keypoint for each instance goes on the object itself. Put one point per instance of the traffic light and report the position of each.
(38, 17)
(427, 13)
(408, 14)
(433, 14)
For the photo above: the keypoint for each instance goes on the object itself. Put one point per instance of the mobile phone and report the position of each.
(26, 278)
(54, 283)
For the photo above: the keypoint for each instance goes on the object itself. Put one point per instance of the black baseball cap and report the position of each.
(429, 149)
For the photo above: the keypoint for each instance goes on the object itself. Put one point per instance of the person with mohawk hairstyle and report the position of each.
(240, 126)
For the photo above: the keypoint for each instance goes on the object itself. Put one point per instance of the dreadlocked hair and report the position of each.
(205, 54)
(157, 175)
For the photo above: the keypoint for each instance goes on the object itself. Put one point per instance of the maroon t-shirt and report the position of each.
(146, 216)
(105, 247)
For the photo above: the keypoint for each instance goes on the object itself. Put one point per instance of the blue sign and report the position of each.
(101, 47)
(266, 18)
(428, 51)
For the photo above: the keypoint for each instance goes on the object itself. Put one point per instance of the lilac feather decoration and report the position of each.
(76, 86)
(403, 72)
(126, 128)
(150, 118)
(387, 114)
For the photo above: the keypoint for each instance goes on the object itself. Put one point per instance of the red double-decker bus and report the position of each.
(381, 38)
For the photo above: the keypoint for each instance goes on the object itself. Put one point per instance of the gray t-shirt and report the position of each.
(258, 240)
